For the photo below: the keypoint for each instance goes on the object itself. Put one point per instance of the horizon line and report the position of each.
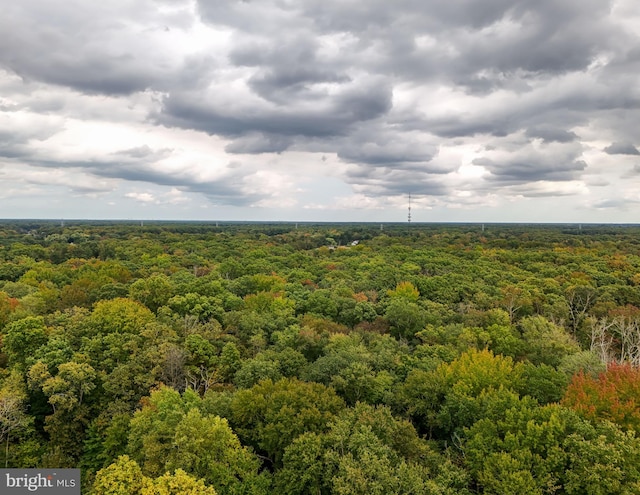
(308, 222)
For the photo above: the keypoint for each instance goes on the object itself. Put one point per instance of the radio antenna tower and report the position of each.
(409, 214)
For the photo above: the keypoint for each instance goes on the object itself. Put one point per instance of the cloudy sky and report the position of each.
(492, 110)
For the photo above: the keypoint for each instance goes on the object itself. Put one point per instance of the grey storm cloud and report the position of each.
(380, 154)
(94, 48)
(622, 149)
(528, 164)
(327, 116)
(533, 170)
(143, 152)
(540, 37)
(397, 182)
(288, 72)
(382, 147)
(259, 142)
(16, 141)
(551, 134)
(382, 86)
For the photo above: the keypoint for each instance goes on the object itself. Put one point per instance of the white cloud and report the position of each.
(142, 197)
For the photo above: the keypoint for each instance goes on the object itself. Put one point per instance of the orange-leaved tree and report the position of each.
(613, 395)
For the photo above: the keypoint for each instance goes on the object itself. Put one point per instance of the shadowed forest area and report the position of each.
(343, 359)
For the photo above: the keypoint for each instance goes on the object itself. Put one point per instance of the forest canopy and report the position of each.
(322, 358)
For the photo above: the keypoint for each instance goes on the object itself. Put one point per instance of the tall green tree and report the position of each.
(171, 432)
(270, 415)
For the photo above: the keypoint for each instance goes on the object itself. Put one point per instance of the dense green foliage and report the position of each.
(255, 359)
